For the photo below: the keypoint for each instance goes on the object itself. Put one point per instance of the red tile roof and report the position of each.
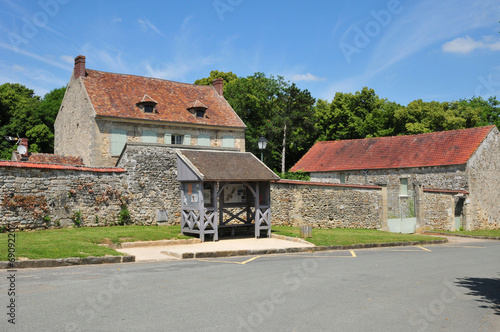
(116, 95)
(22, 164)
(453, 147)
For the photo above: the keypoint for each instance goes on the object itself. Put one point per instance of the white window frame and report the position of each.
(403, 190)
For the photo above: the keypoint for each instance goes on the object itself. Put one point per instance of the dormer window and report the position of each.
(197, 109)
(200, 113)
(147, 104)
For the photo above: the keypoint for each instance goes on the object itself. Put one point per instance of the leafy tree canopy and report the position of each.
(24, 114)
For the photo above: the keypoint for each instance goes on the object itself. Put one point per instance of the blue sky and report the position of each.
(405, 50)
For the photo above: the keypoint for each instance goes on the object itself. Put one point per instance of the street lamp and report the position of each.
(262, 145)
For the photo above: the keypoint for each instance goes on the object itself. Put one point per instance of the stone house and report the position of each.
(442, 180)
(103, 111)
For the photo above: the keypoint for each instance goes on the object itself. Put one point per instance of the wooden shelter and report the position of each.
(223, 190)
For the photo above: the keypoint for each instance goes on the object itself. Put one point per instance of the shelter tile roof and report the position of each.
(228, 166)
(116, 95)
(453, 147)
(48, 158)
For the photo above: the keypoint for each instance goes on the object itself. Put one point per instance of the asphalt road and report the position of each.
(451, 287)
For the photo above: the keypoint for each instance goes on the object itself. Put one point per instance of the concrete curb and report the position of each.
(71, 261)
(143, 244)
(288, 238)
(230, 253)
(463, 235)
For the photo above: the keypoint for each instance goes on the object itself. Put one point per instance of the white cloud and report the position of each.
(146, 24)
(307, 77)
(40, 58)
(467, 44)
(116, 20)
(422, 24)
(68, 59)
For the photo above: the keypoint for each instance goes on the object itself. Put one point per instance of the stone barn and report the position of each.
(442, 180)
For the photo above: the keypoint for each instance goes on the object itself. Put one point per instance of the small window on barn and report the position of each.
(149, 108)
(404, 187)
(342, 177)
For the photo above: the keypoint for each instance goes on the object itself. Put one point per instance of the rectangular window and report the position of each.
(404, 187)
(149, 136)
(118, 140)
(228, 142)
(342, 177)
(176, 139)
(203, 140)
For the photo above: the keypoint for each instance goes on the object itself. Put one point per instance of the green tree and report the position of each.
(352, 116)
(227, 77)
(49, 106)
(24, 114)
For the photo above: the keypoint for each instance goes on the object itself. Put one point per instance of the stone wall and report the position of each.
(44, 197)
(326, 206)
(41, 196)
(152, 182)
(449, 177)
(439, 211)
(75, 124)
(483, 170)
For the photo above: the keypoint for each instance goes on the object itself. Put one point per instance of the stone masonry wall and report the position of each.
(448, 177)
(42, 198)
(325, 206)
(152, 181)
(75, 124)
(483, 169)
(439, 211)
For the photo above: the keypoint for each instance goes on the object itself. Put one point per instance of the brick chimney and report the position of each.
(218, 84)
(24, 142)
(79, 66)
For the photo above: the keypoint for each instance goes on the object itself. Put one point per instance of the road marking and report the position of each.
(317, 255)
(423, 248)
(228, 262)
(419, 247)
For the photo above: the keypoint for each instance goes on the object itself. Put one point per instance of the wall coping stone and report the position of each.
(324, 184)
(445, 191)
(17, 164)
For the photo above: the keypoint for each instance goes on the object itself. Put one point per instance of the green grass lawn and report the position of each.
(82, 242)
(480, 232)
(347, 236)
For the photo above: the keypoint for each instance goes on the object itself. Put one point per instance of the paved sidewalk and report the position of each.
(211, 248)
